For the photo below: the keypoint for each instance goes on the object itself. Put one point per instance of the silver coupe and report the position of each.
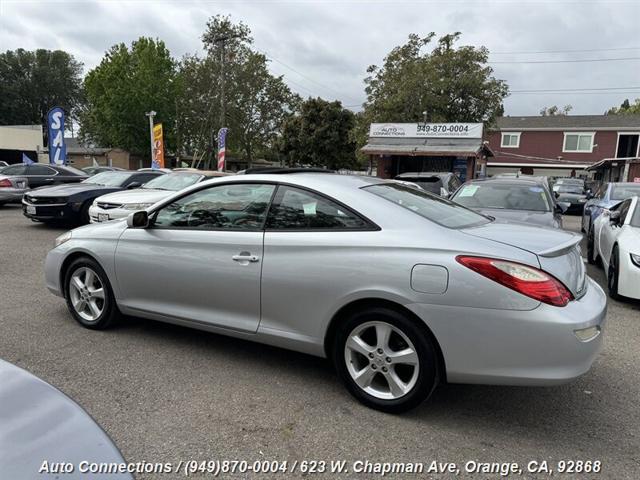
(399, 288)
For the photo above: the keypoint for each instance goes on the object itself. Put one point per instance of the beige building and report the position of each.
(81, 156)
(18, 139)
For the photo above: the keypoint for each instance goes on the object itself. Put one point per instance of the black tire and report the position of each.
(592, 257)
(426, 377)
(613, 274)
(109, 312)
(84, 218)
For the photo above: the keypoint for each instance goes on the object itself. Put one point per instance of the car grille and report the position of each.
(108, 206)
(44, 200)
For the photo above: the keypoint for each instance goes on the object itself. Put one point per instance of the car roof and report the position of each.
(510, 180)
(423, 174)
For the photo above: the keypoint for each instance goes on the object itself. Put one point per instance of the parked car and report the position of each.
(12, 189)
(120, 204)
(572, 193)
(440, 183)
(41, 424)
(607, 196)
(570, 181)
(43, 175)
(71, 203)
(94, 170)
(401, 289)
(523, 200)
(615, 240)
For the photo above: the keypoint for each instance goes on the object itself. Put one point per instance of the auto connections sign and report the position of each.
(57, 147)
(426, 130)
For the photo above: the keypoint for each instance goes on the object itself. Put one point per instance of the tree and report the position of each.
(256, 102)
(128, 83)
(555, 110)
(626, 108)
(450, 84)
(320, 134)
(31, 83)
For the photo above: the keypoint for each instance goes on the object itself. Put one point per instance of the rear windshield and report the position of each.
(430, 184)
(508, 197)
(73, 170)
(109, 179)
(434, 208)
(568, 188)
(622, 192)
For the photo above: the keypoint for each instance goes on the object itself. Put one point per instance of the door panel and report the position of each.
(190, 274)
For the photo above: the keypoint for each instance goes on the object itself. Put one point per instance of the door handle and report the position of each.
(245, 257)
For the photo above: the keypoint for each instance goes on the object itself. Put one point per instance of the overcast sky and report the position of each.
(323, 47)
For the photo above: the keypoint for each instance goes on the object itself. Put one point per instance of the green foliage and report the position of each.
(555, 110)
(450, 84)
(256, 102)
(128, 83)
(31, 83)
(320, 135)
(626, 108)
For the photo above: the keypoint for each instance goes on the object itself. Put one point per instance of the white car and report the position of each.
(118, 205)
(616, 241)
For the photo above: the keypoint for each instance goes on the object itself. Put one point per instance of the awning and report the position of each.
(430, 147)
(608, 161)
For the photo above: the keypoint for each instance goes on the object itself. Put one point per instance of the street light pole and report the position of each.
(151, 114)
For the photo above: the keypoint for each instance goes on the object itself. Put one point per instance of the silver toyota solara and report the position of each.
(399, 288)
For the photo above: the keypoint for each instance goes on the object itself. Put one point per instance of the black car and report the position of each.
(573, 192)
(440, 183)
(70, 203)
(44, 175)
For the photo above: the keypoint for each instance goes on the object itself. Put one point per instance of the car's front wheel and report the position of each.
(386, 360)
(613, 274)
(89, 295)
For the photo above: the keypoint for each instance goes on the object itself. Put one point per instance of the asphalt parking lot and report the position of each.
(166, 393)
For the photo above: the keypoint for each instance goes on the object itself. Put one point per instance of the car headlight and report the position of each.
(137, 206)
(65, 237)
(635, 258)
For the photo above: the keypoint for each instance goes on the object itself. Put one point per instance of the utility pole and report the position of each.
(222, 40)
(151, 114)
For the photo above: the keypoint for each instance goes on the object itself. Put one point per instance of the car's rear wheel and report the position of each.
(89, 295)
(613, 274)
(385, 360)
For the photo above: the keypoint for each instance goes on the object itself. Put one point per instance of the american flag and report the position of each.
(222, 136)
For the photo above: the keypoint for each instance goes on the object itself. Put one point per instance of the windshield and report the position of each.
(438, 210)
(569, 189)
(74, 170)
(622, 192)
(173, 181)
(108, 179)
(503, 196)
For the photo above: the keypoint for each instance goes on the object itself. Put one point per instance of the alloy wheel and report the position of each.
(87, 294)
(381, 360)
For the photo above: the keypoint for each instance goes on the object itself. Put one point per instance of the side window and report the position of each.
(223, 207)
(602, 190)
(141, 178)
(297, 209)
(41, 170)
(454, 183)
(624, 209)
(15, 170)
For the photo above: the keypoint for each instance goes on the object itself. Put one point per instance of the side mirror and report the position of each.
(614, 218)
(563, 206)
(133, 185)
(138, 219)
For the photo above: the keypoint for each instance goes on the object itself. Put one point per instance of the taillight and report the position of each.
(5, 183)
(526, 280)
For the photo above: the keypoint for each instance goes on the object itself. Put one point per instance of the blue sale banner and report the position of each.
(57, 147)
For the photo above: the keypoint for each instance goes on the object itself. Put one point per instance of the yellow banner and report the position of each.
(158, 145)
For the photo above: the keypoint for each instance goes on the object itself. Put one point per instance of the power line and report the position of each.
(569, 61)
(567, 51)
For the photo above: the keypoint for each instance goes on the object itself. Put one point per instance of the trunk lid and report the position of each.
(558, 251)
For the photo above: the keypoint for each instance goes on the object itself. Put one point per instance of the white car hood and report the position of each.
(142, 195)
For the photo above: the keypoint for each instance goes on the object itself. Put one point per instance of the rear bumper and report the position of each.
(11, 195)
(505, 347)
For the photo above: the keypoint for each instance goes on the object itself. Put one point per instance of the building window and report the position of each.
(578, 142)
(510, 140)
